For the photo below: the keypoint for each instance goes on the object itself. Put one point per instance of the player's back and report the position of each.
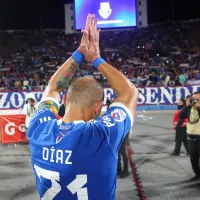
(70, 160)
(78, 160)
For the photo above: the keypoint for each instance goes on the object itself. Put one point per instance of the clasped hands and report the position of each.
(89, 46)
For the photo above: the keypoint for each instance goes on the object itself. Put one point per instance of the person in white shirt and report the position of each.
(29, 108)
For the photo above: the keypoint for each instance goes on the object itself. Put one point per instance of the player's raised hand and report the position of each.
(85, 43)
(93, 51)
(90, 41)
(89, 22)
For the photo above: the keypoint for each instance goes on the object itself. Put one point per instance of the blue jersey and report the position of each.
(77, 160)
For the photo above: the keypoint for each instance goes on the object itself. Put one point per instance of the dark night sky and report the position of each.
(26, 14)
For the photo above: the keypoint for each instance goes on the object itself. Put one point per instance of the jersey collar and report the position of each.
(60, 121)
(79, 122)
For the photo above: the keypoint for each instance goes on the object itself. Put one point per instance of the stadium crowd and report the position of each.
(160, 55)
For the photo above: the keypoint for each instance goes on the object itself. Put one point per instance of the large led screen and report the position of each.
(110, 13)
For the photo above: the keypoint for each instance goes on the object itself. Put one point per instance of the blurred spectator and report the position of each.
(182, 78)
(153, 79)
(17, 84)
(25, 84)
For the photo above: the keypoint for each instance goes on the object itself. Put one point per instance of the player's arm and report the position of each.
(127, 92)
(118, 120)
(62, 77)
(64, 74)
(59, 82)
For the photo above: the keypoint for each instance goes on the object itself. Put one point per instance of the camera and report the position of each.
(193, 102)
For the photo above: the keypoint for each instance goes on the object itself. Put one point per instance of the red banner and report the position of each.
(12, 129)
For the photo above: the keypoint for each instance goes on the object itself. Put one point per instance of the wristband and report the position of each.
(97, 62)
(78, 57)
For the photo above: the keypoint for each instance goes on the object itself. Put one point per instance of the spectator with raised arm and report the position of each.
(76, 157)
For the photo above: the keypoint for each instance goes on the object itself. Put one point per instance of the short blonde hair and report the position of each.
(85, 92)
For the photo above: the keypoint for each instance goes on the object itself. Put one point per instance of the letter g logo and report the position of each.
(9, 128)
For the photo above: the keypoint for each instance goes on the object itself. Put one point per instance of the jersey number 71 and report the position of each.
(75, 186)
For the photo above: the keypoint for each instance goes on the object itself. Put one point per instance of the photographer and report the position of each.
(192, 112)
(29, 108)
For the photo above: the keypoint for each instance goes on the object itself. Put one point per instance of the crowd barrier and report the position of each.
(150, 98)
(12, 129)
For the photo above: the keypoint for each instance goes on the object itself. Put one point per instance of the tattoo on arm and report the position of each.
(66, 77)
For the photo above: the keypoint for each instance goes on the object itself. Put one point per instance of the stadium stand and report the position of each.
(160, 55)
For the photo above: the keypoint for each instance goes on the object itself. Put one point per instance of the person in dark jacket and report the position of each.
(61, 111)
(108, 103)
(180, 126)
(122, 155)
(122, 172)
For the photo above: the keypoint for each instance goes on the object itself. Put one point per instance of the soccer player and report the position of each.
(75, 158)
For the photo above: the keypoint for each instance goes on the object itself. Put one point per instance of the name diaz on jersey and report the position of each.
(58, 156)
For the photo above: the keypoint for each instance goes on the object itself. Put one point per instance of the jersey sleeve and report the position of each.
(47, 109)
(116, 122)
